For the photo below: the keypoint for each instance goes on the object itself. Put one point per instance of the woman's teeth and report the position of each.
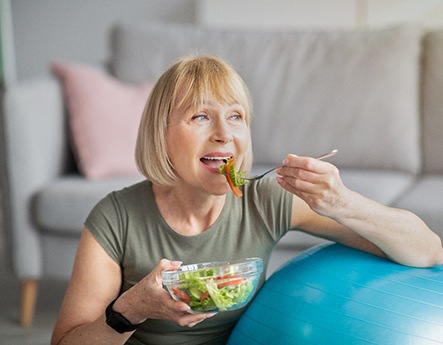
(215, 162)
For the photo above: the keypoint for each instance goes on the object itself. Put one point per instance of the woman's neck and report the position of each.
(187, 213)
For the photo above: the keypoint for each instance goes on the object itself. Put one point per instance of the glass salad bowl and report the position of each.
(214, 286)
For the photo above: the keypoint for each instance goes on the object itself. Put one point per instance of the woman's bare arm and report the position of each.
(95, 282)
(323, 206)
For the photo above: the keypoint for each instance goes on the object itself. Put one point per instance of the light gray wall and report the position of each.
(76, 30)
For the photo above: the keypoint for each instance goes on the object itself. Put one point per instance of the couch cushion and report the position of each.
(104, 115)
(384, 187)
(354, 91)
(425, 199)
(64, 205)
(433, 102)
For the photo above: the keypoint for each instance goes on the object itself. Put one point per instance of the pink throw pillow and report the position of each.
(104, 115)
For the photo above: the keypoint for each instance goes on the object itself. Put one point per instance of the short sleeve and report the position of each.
(105, 224)
(273, 204)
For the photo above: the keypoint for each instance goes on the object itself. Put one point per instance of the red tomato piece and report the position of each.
(183, 296)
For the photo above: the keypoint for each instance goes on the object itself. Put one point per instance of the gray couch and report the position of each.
(374, 95)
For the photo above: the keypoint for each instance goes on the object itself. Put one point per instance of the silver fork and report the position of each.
(258, 177)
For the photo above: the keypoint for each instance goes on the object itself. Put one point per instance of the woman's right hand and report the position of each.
(149, 300)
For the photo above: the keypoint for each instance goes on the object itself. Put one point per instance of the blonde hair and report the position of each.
(188, 81)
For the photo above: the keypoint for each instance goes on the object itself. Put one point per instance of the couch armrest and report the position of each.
(36, 153)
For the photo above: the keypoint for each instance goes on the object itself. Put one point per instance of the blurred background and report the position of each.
(36, 32)
(44, 30)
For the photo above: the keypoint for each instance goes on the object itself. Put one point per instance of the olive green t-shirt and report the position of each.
(131, 229)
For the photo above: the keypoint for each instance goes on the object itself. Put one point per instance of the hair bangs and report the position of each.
(207, 78)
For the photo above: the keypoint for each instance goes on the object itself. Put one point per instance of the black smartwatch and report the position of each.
(117, 321)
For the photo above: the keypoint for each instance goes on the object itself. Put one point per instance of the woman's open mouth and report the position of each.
(215, 162)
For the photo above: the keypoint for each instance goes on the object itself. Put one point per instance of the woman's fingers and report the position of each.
(308, 174)
(190, 320)
(318, 183)
(175, 310)
(163, 265)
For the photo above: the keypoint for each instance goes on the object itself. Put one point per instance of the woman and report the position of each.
(197, 116)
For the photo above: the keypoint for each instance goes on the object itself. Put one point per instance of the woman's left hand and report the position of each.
(316, 182)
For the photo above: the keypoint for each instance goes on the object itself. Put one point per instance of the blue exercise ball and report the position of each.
(332, 294)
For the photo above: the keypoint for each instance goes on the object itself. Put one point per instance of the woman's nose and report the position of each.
(221, 133)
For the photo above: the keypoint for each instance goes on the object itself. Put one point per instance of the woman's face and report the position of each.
(198, 140)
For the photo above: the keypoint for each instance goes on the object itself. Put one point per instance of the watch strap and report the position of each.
(117, 321)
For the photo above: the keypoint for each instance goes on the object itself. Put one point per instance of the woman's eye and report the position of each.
(236, 117)
(200, 117)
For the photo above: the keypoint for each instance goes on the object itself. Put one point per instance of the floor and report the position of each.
(50, 296)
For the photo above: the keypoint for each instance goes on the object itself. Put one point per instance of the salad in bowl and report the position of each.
(214, 286)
